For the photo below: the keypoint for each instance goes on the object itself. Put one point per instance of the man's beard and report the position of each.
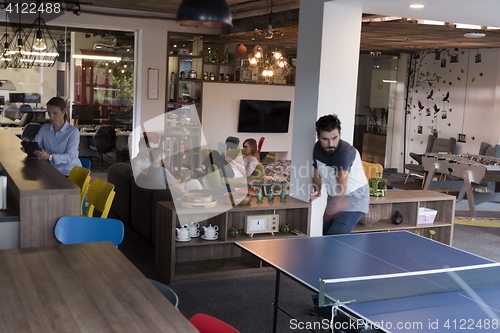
(330, 150)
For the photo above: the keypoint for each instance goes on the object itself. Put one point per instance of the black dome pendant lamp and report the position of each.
(204, 13)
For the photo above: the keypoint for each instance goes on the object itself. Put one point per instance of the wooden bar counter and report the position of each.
(39, 192)
(90, 287)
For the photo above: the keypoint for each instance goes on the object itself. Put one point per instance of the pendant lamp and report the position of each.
(206, 13)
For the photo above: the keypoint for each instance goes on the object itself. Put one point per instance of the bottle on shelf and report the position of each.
(226, 56)
(283, 192)
(212, 77)
(215, 58)
(270, 194)
(260, 195)
(209, 57)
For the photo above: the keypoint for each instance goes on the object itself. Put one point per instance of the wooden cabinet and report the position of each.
(373, 148)
(180, 261)
(407, 203)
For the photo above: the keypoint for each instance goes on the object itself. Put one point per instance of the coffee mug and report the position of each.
(182, 236)
(211, 233)
(194, 232)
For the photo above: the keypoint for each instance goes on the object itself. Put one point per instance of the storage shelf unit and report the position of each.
(180, 261)
(407, 203)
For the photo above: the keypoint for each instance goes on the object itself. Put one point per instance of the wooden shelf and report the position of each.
(179, 261)
(407, 203)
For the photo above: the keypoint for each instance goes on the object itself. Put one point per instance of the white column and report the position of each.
(326, 82)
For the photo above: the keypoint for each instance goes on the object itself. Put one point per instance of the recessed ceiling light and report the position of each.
(475, 35)
(416, 6)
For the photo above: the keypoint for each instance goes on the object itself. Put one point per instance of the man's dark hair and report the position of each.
(327, 123)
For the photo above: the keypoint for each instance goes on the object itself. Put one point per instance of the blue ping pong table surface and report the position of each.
(308, 259)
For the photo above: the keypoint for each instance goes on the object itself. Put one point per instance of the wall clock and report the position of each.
(246, 75)
(258, 224)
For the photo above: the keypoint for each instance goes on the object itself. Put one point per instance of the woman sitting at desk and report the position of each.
(59, 139)
(243, 166)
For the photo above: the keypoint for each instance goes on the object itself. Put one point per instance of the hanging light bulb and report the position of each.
(277, 54)
(39, 44)
(258, 53)
(19, 51)
(253, 61)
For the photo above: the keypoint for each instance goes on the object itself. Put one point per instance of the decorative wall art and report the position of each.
(448, 77)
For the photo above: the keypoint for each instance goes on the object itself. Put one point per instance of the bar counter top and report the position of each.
(42, 193)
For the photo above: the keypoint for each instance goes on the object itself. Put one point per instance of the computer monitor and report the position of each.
(16, 97)
(32, 98)
(2, 100)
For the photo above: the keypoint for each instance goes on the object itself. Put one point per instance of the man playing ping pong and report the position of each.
(338, 164)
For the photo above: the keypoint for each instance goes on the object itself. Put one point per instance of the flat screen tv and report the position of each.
(259, 116)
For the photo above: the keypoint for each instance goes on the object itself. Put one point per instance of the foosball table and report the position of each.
(462, 173)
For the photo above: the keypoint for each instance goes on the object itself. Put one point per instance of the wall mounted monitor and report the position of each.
(263, 116)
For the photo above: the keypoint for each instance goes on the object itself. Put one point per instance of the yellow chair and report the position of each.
(100, 195)
(371, 169)
(81, 177)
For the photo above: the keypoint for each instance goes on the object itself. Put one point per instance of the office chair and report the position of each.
(25, 108)
(208, 324)
(85, 162)
(232, 142)
(82, 229)
(104, 141)
(167, 292)
(81, 177)
(30, 131)
(11, 112)
(25, 119)
(100, 195)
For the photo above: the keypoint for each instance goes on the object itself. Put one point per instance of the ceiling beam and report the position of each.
(279, 20)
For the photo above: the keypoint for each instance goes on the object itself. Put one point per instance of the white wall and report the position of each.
(221, 103)
(474, 111)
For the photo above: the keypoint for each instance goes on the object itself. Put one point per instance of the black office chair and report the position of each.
(104, 141)
(232, 142)
(30, 131)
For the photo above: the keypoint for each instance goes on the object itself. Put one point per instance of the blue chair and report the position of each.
(85, 162)
(82, 229)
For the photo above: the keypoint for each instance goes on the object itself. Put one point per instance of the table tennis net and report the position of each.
(409, 284)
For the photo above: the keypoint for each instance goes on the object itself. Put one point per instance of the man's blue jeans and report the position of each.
(343, 223)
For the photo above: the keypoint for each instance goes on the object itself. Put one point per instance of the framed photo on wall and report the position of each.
(153, 83)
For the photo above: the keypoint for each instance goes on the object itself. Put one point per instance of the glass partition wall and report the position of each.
(94, 73)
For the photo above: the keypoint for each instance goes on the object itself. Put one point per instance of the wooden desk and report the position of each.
(38, 191)
(88, 287)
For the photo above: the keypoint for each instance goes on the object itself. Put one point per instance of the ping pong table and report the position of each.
(397, 281)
